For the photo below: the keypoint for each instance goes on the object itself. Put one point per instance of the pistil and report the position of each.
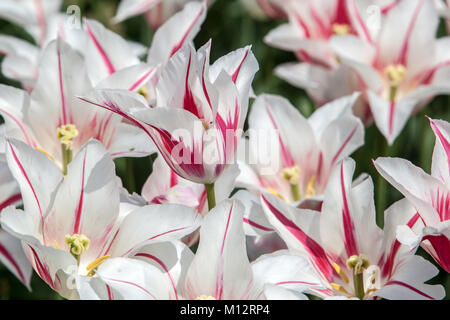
(292, 175)
(66, 134)
(358, 264)
(78, 244)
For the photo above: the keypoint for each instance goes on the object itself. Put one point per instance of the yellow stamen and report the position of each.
(340, 272)
(274, 192)
(66, 134)
(338, 287)
(95, 264)
(55, 244)
(204, 297)
(341, 29)
(143, 91)
(45, 152)
(310, 190)
(396, 74)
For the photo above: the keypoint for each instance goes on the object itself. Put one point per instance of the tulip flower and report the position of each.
(199, 115)
(291, 156)
(354, 257)
(55, 122)
(311, 26)
(70, 225)
(429, 194)
(177, 31)
(398, 76)
(220, 269)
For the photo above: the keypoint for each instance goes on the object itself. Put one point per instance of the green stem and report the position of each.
(358, 282)
(210, 194)
(131, 181)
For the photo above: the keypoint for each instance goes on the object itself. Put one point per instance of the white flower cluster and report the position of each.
(299, 225)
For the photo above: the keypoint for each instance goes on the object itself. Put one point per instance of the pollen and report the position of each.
(205, 297)
(291, 174)
(395, 74)
(95, 264)
(66, 133)
(340, 29)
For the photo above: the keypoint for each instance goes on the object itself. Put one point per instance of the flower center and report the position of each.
(78, 243)
(358, 264)
(395, 74)
(205, 297)
(66, 133)
(292, 175)
(340, 29)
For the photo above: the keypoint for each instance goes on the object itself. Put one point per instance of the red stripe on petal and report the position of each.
(10, 201)
(183, 39)
(236, 73)
(347, 222)
(389, 264)
(354, 10)
(445, 143)
(338, 153)
(64, 110)
(400, 283)
(4, 252)
(134, 285)
(79, 209)
(41, 214)
(141, 80)
(316, 252)
(403, 56)
(161, 263)
(106, 60)
(256, 225)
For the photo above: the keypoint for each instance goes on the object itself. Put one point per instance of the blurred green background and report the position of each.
(232, 27)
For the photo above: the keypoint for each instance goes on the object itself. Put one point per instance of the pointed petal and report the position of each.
(13, 257)
(220, 267)
(153, 224)
(178, 30)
